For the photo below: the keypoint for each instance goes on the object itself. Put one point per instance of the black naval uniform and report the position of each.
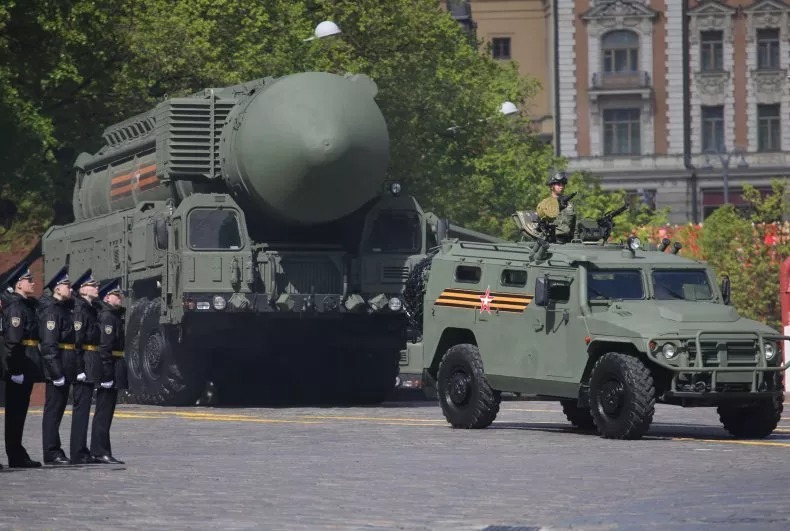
(86, 328)
(20, 334)
(56, 330)
(113, 369)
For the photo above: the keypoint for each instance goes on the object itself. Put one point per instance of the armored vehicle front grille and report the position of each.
(394, 273)
(314, 275)
(738, 352)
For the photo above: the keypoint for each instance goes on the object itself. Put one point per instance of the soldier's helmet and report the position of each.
(557, 177)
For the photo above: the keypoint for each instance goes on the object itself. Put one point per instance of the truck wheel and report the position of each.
(579, 417)
(466, 399)
(169, 375)
(622, 396)
(134, 358)
(755, 421)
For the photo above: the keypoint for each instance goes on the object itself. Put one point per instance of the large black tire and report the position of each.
(754, 421)
(466, 398)
(165, 373)
(622, 396)
(579, 417)
(134, 321)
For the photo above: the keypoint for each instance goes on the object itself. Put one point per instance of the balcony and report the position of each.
(620, 83)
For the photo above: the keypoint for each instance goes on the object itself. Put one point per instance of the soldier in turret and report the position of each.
(113, 370)
(57, 348)
(20, 335)
(557, 209)
(86, 331)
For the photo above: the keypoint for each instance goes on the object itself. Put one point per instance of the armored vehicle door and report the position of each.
(551, 326)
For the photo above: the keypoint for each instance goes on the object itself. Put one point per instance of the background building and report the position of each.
(679, 102)
(633, 110)
(519, 30)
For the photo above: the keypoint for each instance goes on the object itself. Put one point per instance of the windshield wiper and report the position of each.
(672, 292)
(604, 295)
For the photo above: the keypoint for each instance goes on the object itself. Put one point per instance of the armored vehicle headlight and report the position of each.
(219, 303)
(770, 351)
(395, 304)
(395, 188)
(635, 243)
(669, 351)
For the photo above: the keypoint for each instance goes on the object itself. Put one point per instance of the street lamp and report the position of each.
(326, 28)
(724, 159)
(506, 108)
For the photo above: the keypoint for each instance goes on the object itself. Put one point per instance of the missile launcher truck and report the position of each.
(258, 240)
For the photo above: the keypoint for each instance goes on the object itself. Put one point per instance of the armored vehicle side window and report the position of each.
(469, 274)
(603, 284)
(214, 230)
(559, 291)
(395, 232)
(682, 284)
(516, 278)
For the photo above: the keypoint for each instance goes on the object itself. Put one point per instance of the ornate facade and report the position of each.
(632, 112)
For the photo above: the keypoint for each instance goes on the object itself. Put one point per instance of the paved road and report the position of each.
(400, 466)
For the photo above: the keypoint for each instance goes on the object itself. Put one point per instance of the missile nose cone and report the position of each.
(325, 145)
(312, 147)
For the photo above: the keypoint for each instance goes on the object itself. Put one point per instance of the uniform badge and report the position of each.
(50, 325)
(16, 321)
(77, 325)
(108, 329)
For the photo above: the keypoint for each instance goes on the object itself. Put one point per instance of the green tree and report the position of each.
(750, 249)
(58, 60)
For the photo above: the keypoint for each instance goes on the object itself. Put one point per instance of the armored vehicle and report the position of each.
(608, 330)
(258, 239)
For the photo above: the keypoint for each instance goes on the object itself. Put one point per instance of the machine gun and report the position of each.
(565, 199)
(600, 229)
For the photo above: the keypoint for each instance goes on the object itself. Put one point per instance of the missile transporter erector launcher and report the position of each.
(257, 239)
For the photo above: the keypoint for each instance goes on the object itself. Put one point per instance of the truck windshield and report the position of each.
(395, 232)
(214, 229)
(603, 284)
(683, 284)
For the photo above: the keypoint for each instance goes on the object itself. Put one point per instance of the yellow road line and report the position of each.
(728, 441)
(343, 417)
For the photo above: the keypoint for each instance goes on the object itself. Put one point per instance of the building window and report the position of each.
(641, 199)
(712, 128)
(712, 51)
(500, 47)
(620, 51)
(621, 132)
(768, 128)
(768, 49)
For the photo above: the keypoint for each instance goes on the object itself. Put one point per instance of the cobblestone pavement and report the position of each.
(400, 466)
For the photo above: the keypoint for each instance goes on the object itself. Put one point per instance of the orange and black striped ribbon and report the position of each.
(122, 185)
(505, 302)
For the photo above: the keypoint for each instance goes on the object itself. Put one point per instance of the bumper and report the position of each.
(721, 363)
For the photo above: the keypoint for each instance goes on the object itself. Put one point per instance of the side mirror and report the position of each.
(160, 233)
(725, 289)
(541, 291)
(442, 227)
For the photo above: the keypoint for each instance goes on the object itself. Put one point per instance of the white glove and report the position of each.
(60, 381)
(18, 378)
(107, 385)
(81, 377)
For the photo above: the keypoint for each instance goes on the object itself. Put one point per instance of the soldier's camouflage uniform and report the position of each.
(564, 220)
